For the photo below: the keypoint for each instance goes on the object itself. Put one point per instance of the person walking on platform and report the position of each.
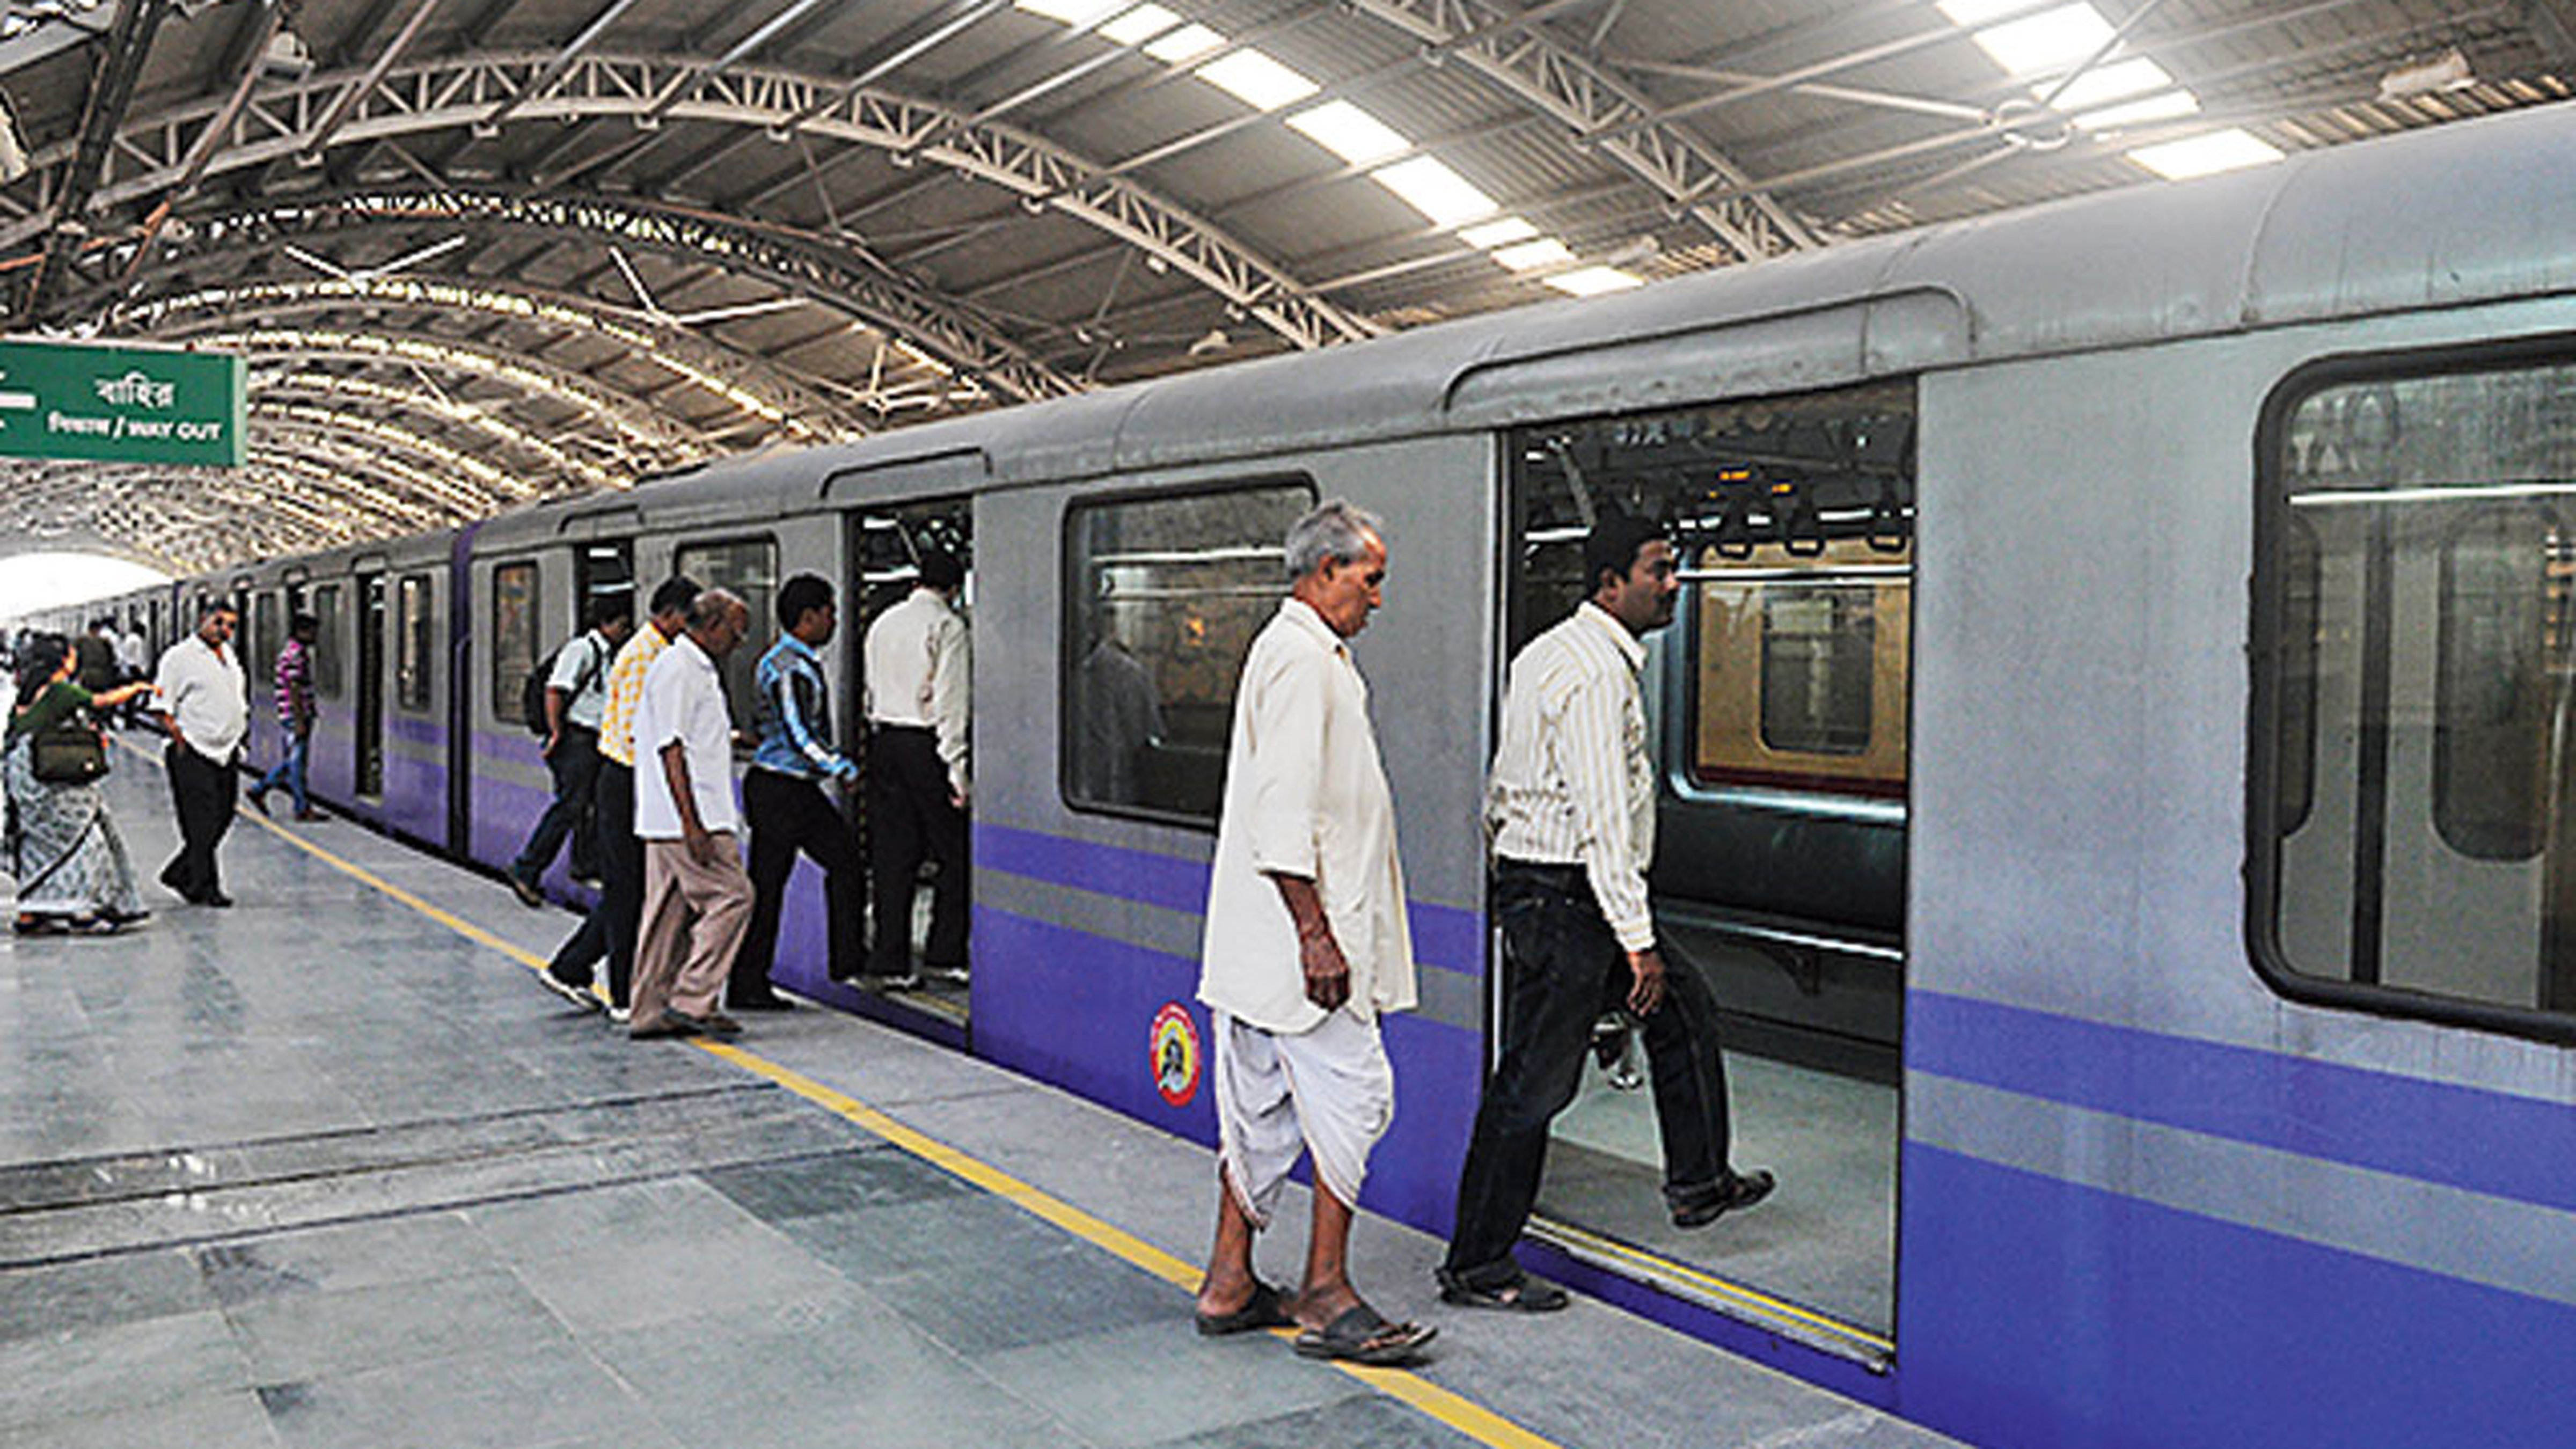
(697, 901)
(576, 693)
(917, 672)
(1296, 987)
(608, 931)
(1571, 810)
(296, 711)
(784, 801)
(69, 862)
(134, 663)
(205, 703)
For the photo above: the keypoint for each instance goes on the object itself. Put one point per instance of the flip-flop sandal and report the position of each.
(1360, 1335)
(1264, 1309)
(1525, 1295)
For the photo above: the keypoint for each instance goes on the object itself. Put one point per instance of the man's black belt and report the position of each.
(1567, 878)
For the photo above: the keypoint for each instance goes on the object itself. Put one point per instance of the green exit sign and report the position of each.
(120, 404)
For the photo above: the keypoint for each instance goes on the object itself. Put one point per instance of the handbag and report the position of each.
(70, 753)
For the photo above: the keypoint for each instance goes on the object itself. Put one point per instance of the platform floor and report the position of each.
(329, 1169)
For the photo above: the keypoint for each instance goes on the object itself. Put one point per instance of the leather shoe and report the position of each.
(714, 1023)
(766, 1001)
(1740, 1190)
(527, 893)
(668, 1026)
(215, 898)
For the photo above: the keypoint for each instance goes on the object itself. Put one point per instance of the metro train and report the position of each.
(2122, 706)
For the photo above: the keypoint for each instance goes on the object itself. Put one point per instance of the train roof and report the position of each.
(2473, 211)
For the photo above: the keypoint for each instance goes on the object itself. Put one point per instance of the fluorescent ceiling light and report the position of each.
(1593, 281)
(1071, 12)
(2116, 81)
(2051, 38)
(1186, 43)
(1349, 132)
(1428, 186)
(1547, 251)
(1973, 13)
(2203, 155)
(1256, 80)
(2154, 108)
(1140, 24)
(1498, 233)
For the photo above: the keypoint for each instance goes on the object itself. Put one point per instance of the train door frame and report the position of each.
(369, 613)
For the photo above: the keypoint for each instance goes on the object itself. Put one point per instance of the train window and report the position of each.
(2417, 629)
(326, 650)
(749, 567)
(415, 643)
(267, 637)
(1163, 596)
(514, 634)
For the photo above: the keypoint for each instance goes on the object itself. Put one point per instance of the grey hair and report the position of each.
(1337, 529)
(709, 608)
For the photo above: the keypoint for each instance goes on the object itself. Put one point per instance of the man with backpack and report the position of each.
(567, 715)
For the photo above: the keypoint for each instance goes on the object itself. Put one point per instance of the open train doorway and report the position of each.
(371, 686)
(888, 547)
(1776, 706)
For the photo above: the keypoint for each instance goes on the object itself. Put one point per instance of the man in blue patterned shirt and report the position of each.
(783, 799)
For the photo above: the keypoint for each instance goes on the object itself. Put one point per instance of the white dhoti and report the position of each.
(1329, 1091)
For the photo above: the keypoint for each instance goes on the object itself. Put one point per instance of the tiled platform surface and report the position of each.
(321, 1171)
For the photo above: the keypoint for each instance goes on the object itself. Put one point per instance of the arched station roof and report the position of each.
(484, 251)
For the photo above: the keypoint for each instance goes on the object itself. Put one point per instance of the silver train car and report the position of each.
(2114, 755)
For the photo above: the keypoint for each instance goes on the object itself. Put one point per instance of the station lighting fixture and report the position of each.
(1426, 184)
(2227, 150)
(1349, 132)
(1529, 256)
(1593, 281)
(1498, 233)
(1256, 80)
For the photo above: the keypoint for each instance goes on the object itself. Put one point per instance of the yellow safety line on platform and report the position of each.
(1462, 1414)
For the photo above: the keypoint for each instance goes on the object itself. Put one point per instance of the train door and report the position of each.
(371, 687)
(603, 570)
(1777, 711)
(887, 545)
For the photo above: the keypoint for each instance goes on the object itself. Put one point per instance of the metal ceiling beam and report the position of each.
(451, 92)
(44, 40)
(1590, 100)
(118, 65)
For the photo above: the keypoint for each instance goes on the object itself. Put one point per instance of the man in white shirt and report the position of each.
(205, 702)
(697, 898)
(1571, 807)
(1306, 945)
(576, 695)
(916, 678)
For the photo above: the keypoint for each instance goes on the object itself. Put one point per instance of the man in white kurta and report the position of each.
(1305, 947)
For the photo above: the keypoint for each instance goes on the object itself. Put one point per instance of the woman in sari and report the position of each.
(70, 863)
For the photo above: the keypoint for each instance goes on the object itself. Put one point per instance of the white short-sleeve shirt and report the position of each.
(684, 701)
(204, 691)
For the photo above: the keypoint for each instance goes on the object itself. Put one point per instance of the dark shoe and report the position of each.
(714, 1023)
(308, 814)
(259, 801)
(669, 1026)
(170, 877)
(217, 899)
(1523, 1295)
(527, 893)
(1360, 1335)
(1740, 1190)
(1264, 1309)
(766, 1001)
(578, 993)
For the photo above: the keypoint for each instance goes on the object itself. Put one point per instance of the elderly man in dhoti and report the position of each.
(1306, 946)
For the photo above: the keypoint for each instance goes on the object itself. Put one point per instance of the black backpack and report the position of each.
(532, 694)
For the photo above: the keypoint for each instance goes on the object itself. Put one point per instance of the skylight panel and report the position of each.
(1973, 13)
(1593, 281)
(1187, 43)
(2037, 43)
(1428, 186)
(1256, 80)
(1140, 24)
(1529, 256)
(2115, 81)
(1349, 132)
(2227, 150)
(2137, 113)
(1071, 12)
(1498, 233)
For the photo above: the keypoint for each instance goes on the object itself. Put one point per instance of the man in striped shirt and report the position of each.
(1571, 809)
(783, 800)
(295, 714)
(609, 930)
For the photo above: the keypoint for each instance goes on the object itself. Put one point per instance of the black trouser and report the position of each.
(1562, 970)
(911, 815)
(609, 930)
(787, 815)
(575, 768)
(203, 793)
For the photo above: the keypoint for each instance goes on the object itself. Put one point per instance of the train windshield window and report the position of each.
(2420, 580)
(1164, 596)
(415, 643)
(326, 641)
(514, 634)
(749, 567)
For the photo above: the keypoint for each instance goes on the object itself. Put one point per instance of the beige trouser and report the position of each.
(694, 919)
